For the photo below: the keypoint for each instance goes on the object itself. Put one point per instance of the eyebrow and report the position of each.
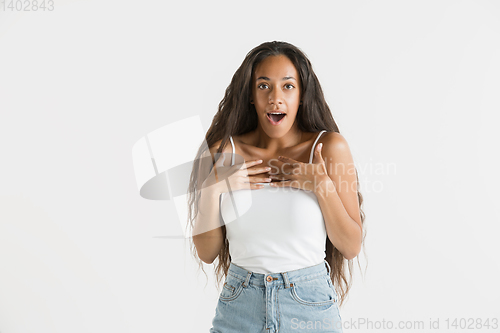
(268, 79)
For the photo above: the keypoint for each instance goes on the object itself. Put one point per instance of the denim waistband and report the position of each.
(286, 278)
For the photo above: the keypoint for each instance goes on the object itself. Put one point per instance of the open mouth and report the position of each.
(276, 118)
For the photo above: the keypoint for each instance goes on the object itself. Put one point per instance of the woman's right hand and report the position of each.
(240, 176)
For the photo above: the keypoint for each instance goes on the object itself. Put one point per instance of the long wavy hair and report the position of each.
(236, 116)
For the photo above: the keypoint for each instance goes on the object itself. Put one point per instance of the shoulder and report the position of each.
(333, 140)
(226, 151)
(335, 148)
(215, 146)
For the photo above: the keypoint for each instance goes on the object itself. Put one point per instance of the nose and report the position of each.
(276, 96)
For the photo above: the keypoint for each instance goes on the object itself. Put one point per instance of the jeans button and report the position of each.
(269, 278)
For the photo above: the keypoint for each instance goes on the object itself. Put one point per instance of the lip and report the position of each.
(276, 123)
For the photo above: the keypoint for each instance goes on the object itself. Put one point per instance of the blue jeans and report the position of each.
(302, 300)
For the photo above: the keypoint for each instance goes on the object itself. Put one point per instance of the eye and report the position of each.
(289, 85)
(262, 84)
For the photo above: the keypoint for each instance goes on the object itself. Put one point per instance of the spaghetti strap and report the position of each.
(232, 145)
(314, 145)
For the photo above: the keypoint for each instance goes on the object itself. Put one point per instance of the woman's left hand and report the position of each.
(300, 175)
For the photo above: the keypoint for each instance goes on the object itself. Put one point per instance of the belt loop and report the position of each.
(285, 279)
(245, 284)
(328, 265)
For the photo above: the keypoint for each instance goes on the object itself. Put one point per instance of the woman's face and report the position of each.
(276, 88)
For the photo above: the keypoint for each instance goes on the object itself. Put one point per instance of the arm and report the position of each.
(208, 243)
(207, 232)
(337, 196)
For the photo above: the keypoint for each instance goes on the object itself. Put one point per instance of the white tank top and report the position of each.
(274, 229)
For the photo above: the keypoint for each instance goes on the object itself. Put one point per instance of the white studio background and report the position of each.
(413, 86)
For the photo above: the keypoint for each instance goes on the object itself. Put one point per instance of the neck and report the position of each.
(276, 143)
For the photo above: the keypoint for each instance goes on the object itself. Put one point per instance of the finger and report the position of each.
(256, 186)
(278, 177)
(252, 183)
(281, 184)
(249, 164)
(288, 160)
(256, 170)
(254, 180)
(289, 163)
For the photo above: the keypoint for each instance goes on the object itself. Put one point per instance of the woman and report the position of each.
(281, 214)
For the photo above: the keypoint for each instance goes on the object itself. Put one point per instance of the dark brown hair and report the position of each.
(236, 116)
